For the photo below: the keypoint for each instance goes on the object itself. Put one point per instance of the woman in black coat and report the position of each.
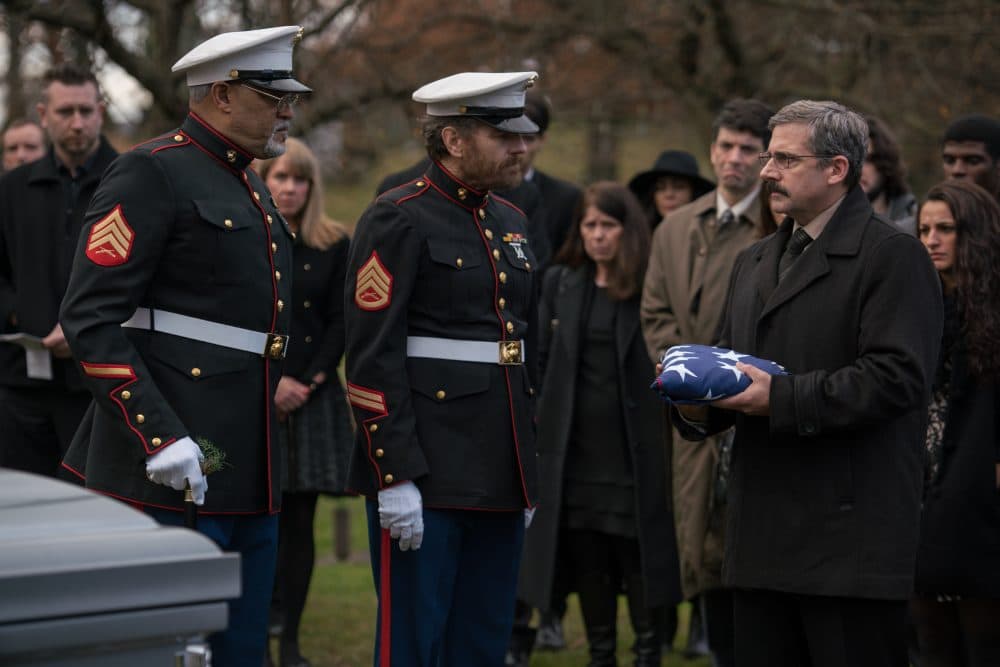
(957, 601)
(315, 431)
(600, 438)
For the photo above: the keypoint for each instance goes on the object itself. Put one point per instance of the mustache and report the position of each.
(282, 127)
(772, 187)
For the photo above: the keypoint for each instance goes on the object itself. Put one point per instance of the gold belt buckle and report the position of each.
(510, 353)
(276, 347)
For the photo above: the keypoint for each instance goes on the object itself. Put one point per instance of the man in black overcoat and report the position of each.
(826, 483)
(42, 205)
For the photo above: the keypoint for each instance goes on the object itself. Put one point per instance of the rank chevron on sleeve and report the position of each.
(110, 241)
(374, 286)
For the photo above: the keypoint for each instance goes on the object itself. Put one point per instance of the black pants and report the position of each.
(37, 425)
(717, 619)
(601, 566)
(790, 630)
(957, 633)
(296, 557)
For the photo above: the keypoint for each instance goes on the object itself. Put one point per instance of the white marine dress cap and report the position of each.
(495, 98)
(262, 58)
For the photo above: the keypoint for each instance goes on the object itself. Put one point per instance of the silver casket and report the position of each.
(87, 581)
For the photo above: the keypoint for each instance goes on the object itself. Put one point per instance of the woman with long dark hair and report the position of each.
(315, 431)
(600, 438)
(957, 600)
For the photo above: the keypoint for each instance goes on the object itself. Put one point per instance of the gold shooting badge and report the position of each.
(515, 241)
(374, 287)
(110, 240)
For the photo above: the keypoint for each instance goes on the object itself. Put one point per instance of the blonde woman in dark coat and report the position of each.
(315, 430)
(603, 505)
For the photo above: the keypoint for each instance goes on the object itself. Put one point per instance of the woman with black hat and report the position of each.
(672, 182)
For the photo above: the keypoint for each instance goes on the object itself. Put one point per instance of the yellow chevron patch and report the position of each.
(374, 286)
(110, 240)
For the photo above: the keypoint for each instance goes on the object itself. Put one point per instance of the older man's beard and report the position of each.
(482, 174)
(273, 147)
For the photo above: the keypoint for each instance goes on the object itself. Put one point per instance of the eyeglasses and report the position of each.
(786, 160)
(284, 101)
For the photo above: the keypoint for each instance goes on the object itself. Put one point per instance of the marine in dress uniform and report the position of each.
(440, 319)
(177, 312)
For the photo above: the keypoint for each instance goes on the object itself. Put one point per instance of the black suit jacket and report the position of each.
(825, 493)
(561, 202)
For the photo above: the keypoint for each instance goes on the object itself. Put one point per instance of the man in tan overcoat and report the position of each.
(683, 296)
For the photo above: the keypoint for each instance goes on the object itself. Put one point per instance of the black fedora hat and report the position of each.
(671, 163)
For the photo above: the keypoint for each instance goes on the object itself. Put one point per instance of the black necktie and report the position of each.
(800, 239)
(726, 217)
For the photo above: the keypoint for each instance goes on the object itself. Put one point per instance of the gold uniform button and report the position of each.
(510, 327)
(156, 442)
(269, 218)
(482, 213)
(277, 275)
(373, 428)
(307, 267)
(462, 193)
(389, 479)
(496, 254)
(459, 262)
(281, 305)
(178, 137)
(531, 391)
(502, 303)
(256, 195)
(126, 395)
(440, 394)
(274, 247)
(196, 372)
(503, 277)
(489, 234)
(527, 265)
(228, 223)
(309, 339)
(420, 184)
(379, 453)
(141, 419)
(307, 304)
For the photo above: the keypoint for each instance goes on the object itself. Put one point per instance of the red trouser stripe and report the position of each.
(385, 598)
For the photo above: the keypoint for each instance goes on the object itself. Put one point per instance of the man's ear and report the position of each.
(839, 168)
(40, 110)
(454, 141)
(221, 95)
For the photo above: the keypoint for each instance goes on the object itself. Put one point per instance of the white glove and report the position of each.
(529, 514)
(401, 510)
(177, 462)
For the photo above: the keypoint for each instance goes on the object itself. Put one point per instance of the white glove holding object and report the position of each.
(529, 514)
(401, 510)
(177, 462)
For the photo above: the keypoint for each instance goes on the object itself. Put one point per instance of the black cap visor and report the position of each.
(283, 85)
(517, 125)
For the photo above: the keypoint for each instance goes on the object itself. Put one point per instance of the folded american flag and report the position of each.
(702, 373)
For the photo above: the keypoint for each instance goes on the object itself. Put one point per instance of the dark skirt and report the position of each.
(317, 440)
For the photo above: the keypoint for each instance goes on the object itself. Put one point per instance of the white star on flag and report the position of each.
(729, 354)
(681, 370)
(732, 367)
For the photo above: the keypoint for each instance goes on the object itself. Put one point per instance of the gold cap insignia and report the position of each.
(234, 74)
(298, 36)
(231, 155)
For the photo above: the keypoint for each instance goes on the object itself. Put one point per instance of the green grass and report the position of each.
(338, 627)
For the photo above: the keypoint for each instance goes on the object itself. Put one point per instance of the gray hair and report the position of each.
(434, 125)
(199, 92)
(833, 130)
